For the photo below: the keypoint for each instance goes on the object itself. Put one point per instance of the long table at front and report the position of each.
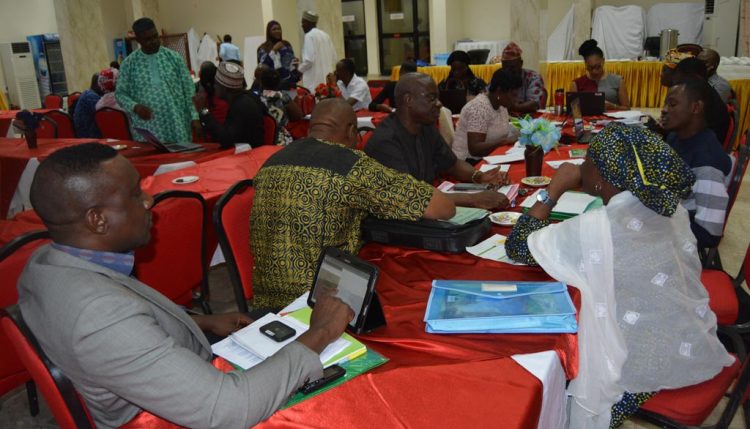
(15, 156)
(641, 78)
(430, 380)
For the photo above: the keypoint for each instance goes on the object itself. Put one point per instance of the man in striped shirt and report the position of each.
(683, 115)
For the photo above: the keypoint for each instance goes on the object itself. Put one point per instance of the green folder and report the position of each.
(559, 216)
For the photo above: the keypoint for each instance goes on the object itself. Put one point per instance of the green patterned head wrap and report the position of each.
(639, 161)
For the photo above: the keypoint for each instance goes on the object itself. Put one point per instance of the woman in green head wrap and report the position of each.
(644, 322)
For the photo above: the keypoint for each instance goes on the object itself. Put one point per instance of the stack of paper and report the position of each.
(465, 215)
(248, 347)
(571, 204)
(513, 154)
(493, 249)
(557, 164)
(487, 167)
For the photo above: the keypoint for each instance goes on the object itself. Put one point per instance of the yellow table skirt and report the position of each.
(641, 78)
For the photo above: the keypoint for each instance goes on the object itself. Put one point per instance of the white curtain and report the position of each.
(620, 31)
(207, 50)
(687, 18)
(560, 42)
(193, 43)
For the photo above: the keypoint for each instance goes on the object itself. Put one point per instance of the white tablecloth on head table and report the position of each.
(495, 46)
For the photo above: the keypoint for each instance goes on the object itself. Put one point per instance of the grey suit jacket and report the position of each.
(126, 347)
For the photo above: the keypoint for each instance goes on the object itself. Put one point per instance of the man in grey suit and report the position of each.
(125, 346)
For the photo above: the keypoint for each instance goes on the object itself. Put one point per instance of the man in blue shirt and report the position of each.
(683, 116)
(228, 51)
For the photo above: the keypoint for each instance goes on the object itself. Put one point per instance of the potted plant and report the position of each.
(539, 136)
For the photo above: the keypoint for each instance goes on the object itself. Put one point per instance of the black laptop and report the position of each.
(453, 99)
(592, 103)
(168, 147)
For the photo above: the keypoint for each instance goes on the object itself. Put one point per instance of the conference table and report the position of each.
(18, 163)
(7, 116)
(466, 380)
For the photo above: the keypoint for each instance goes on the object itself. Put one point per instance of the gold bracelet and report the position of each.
(476, 174)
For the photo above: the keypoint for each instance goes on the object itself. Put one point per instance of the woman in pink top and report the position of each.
(484, 123)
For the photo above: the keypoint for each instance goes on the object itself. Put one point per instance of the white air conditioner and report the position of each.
(720, 26)
(20, 75)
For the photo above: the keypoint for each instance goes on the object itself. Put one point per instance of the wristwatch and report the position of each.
(544, 198)
(204, 111)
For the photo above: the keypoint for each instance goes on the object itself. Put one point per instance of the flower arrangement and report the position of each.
(323, 91)
(537, 133)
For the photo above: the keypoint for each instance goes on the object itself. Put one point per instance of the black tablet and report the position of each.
(355, 281)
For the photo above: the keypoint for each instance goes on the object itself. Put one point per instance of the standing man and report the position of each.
(530, 94)
(318, 53)
(156, 89)
(228, 51)
(353, 88)
(711, 59)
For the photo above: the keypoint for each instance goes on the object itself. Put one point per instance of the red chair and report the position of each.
(690, 406)
(47, 128)
(378, 83)
(113, 124)
(305, 100)
(53, 101)
(174, 261)
(64, 121)
(231, 218)
(13, 257)
(363, 135)
(72, 100)
(732, 126)
(269, 129)
(710, 256)
(61, 396)
(375, 91)
(730, 302)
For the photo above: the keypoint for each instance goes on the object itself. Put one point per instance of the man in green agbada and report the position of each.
(156, 89)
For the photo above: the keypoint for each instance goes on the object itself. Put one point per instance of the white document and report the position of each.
(502, 159)
(570, 202)
(487, 167)
(557, 164)
(626, 114)
(248, 347)
(493, 249)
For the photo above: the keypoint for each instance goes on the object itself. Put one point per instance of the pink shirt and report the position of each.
(478, 116)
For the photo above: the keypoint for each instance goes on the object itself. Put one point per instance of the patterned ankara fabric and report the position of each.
(160, 81)
(275, 102)
(627, 406)
(314, 194)
(639, 161)
(532, 87)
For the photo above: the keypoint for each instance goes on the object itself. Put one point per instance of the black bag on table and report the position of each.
(437, 235)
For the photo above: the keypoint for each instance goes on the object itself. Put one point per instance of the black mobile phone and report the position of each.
(277, 331)
(330, 374)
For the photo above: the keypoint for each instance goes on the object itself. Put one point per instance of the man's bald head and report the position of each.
(711, 58)
(333, 119)
(66, 183)
(410, 83)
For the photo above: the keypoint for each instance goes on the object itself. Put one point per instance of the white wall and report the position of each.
(645, 4)
(239, 18)
(116, 24)
(486, 19)
(21, 18)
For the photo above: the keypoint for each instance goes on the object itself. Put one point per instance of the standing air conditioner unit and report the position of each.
(20, 76)
(721, 25)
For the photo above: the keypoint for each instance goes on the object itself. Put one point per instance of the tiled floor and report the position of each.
(14, 409)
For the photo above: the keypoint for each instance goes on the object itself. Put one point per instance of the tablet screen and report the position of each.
(350, 282)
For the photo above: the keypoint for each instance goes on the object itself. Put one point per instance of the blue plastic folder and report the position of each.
(499, 307)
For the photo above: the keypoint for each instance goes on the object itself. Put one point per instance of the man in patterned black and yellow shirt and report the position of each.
(314, 193)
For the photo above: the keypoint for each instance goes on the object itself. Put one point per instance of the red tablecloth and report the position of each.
(14, 154)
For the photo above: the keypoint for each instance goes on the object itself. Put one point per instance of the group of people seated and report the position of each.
(645, 323)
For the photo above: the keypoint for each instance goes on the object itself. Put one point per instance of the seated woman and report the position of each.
(644, 322)
(107, 82)
(278, 54)
(484, 123)
(460, 76)
(596, 79)
(387, 93)
(278, 104)
(83, 116)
